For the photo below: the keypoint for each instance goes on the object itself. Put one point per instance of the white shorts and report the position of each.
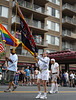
(54, 77)
(44, 75)
(32, 76)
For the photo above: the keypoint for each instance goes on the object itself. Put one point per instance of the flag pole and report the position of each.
(15, 24)
(15, 18)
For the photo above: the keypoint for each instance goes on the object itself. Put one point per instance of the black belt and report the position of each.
(54, 73)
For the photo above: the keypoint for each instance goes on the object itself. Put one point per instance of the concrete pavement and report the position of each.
(30, 92)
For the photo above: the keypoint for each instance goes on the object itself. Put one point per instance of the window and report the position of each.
(53, 26)
(40, 51)
(50, 51)
(58, 2)
(53, 12)
(52, 40)
(57, 41)
(4, 11)
(55, 1)
(48, 39)
(57, 27)
(57, 13)
(49, 10)
(48, 24)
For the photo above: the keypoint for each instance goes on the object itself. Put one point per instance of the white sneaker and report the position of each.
(56, 91)
(38, 96)
(50, 92)
(43, 97)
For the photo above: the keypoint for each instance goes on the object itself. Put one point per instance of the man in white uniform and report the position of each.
(12, 68)
(55, 74)
(43, 74)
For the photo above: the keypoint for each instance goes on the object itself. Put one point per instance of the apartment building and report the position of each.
(44, 18)
(69, 25)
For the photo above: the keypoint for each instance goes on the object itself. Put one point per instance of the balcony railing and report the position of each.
(35, 23)
(55, 1)
(69, 20)
(30, 6)
(68, 6)
(40, 42)
(66, 33)
(66, 48)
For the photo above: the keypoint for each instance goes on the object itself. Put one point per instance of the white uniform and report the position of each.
(54, 71)
(43, 65)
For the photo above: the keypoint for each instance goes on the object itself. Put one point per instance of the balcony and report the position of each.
(68, 10)
(66, 48)
(35, 25)
(69, 23)
(69, 1)
(40, 43)
(68, 35)
(57, 2)
(29, 8)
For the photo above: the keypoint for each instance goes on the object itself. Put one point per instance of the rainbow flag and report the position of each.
(8, 38)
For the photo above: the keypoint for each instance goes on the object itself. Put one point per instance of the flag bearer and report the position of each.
(43, 75)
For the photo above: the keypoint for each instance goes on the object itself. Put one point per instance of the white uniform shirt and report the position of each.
(43, 63)
(54, 67)
(13, 66)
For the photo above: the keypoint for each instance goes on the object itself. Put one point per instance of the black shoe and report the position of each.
(14, 88)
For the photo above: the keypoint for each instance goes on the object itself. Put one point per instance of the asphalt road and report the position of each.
(30, 92)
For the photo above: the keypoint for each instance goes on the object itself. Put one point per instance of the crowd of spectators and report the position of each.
(28, 76)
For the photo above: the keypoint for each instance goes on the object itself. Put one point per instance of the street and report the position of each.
(30, 92)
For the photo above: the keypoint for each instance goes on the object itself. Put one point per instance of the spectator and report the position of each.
(61, 78)
(0, 73)
(40, 39)
(27, 76)
(67, 78)
(32, 74)
(72, 80)
(35, 75)
(17, 77)
(17, 34)
(21, 76)
(64, 79)
(4, 68)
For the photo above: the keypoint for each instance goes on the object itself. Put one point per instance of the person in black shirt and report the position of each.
(4, 68)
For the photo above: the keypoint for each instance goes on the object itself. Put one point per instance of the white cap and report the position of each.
(53, 59)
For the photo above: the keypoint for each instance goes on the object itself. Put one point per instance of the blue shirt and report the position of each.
(13, 66)
(63, 76)
(27, 72)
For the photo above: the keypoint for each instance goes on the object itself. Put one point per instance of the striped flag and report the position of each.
(28, 42)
